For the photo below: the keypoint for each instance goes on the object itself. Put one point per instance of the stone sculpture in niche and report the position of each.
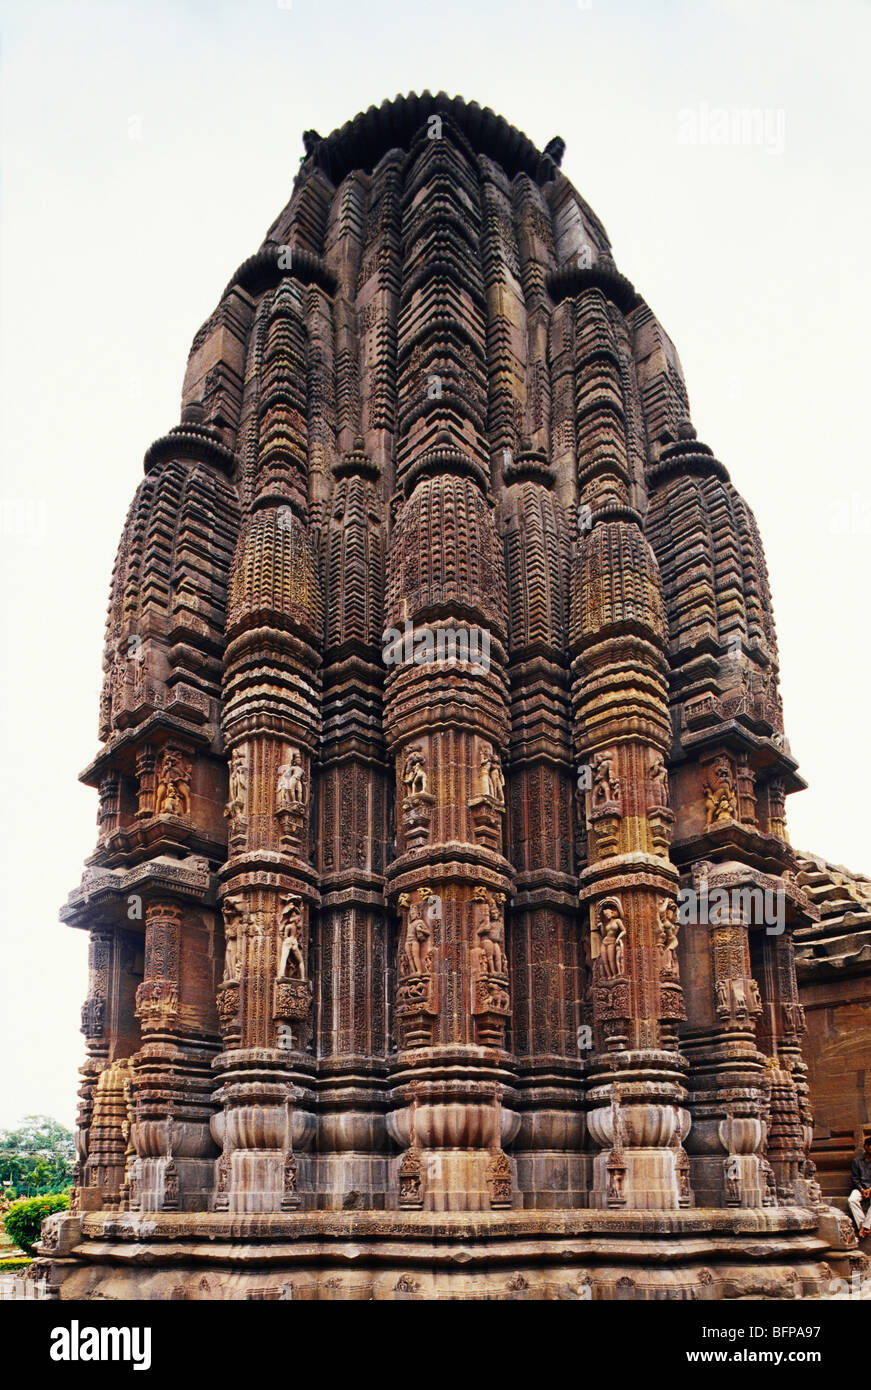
(418, 801)
(417, 984)
(658, 779)
(291, 791)
(173, 794)
(232, 909)
(720, 800)
(291, 796)
(418, 929)
(492, 776)
(491, 1002)
(238, 797)
(291, 963)
(668, 934)
(410, 1174)
(491, 931)
(290, 1198)
(732, 1180)
(612, 936)
(292, 994)
(606, 783)
(414, 773)
(616, 1178)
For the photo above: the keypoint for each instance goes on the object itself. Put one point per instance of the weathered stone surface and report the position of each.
(442, 910)
(833, 965)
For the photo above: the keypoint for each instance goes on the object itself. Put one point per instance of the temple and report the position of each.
(443, 918)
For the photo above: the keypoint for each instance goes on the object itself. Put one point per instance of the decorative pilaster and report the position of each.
(271, 724)
(622, 736)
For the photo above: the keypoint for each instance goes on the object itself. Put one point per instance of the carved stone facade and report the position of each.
(832, 1015)
(442, 864)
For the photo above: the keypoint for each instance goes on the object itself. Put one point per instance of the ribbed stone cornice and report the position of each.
(363, 141)
(190, 442)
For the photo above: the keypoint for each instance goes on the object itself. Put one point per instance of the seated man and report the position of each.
(860, 1177)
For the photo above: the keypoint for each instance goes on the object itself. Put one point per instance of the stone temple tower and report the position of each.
(442, 907)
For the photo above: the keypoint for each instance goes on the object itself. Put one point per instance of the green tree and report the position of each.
(24, 1219)
(38, 1157)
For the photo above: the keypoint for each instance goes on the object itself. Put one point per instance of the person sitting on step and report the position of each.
(859, 1200)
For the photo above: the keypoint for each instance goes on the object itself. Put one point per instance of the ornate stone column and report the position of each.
(353, 805)
(271, 724)
(550, 1032)
(636, 1099)
(446, 722)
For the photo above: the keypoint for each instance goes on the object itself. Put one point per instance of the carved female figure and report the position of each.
(492, 776)
(418, 931)
(606, 786)
(173, 796)
(232, 914)
(414, 775)
(416, 936)
(720, 796)
(291, 924)
(658, 776)
(668, 933)
(613, 931)
(235, 807)
(291, 782)
(491, 932)
(732, 1177)
(231, 953)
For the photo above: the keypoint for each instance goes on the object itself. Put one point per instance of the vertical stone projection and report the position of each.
(636, 1115)
(442, 863)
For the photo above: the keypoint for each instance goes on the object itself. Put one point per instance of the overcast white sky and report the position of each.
(145, 150)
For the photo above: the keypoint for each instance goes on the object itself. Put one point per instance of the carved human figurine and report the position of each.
(492, 776)
(770, 1197)
(414, 774)
(722, 997)
(682, 1173)
(116, 681)
(235, 807)
(732, 1179)
(410, 1177)
(491, 931)
(497, 777)
(739, 998)
(291, 926)
(658, 777)
(616, 1177)
(755, 997)
(418, 932)
(173, 795)
(222, 1185)
(613, 933)
(808, 1172)
(232, 911)
(291, 782)
(291, 1173)
(606, 785)
(720, 795)
(668, 933)
(486, 779)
